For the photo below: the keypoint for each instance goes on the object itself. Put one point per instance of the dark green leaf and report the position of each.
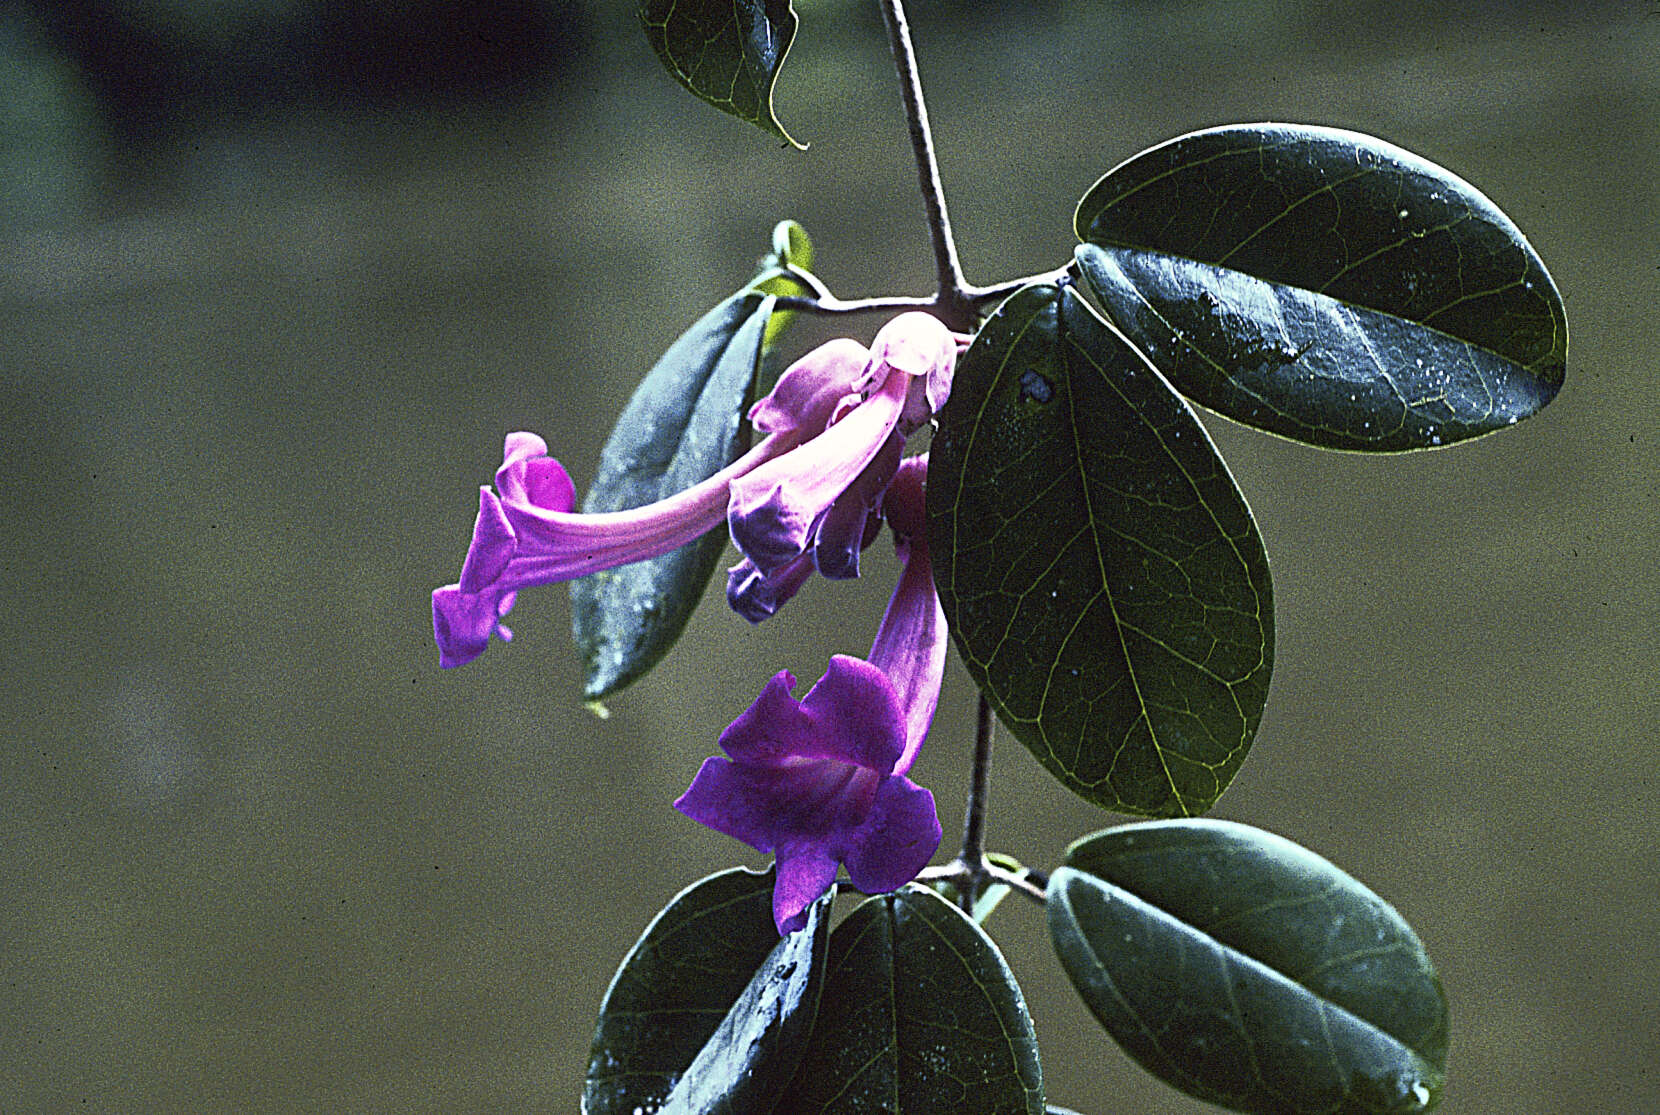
(1247, 971)
(683, 424)
(920, 1014)
(727, 52)
(1326, 286)
(711, 1010)
(1102, 575)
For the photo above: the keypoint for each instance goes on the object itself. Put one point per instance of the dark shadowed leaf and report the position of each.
(1247, 971)
(711, 1010)
(1102, 575)
(919, 1015)
(1326, 286)
(683, 424)
(728, 52)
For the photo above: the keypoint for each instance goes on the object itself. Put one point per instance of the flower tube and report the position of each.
(527, 531)
(821, 782)
(777, 509)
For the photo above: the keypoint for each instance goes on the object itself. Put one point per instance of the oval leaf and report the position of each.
(727, 52)
(710, 1011)
(919, 1014)
(1248, 971)
(1101, 574)
(1325, 286)
(683, 424)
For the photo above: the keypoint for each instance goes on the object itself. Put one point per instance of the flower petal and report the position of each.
(462, 623)
(492, 545)
(856, 716)
(804, 873)
(921, 347)
(727, 798)
(776, 508)
(900, 834)
(809, 390)
(915, 343)
(771, 806)
(756, 595)
(528, 476)
(910, 644)
(841, 533)
(772, 727)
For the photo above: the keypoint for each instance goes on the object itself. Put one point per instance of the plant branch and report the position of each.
(833, 305)
(983, 299)
(971, 860)
(954, 302)
(974, 823)
(1029, 882)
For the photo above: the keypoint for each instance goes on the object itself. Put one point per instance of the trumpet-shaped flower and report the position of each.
(780, 510)
(837, 416)
(528, 533)
(821, 782)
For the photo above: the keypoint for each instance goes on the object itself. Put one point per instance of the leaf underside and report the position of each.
(920, 1014)
(726, 52)
(683, 424)
(1247, 971)
(1102, 575)
(1324, 285)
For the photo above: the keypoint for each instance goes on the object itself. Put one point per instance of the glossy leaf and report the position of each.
(683, 424)
(1248, 971)
(1326, 286)
(727, 52)
(919, 1015)
(1102, 576)
(711, 1010)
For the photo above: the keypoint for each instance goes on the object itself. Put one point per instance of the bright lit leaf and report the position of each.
(1324, 285)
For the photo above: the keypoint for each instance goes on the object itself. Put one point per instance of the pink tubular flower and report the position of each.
(821, 782)
(778, 509)
(527, 532)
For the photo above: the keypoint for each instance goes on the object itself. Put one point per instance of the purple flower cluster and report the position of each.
(818, 782)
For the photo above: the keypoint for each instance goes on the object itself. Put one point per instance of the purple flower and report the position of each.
(821, 782)
(526, 533)
(815, 782)
(778, 510)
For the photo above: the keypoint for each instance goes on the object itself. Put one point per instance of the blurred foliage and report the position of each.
(50, 139)
(155, 62)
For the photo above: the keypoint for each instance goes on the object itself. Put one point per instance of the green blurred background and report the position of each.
(276, 277)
